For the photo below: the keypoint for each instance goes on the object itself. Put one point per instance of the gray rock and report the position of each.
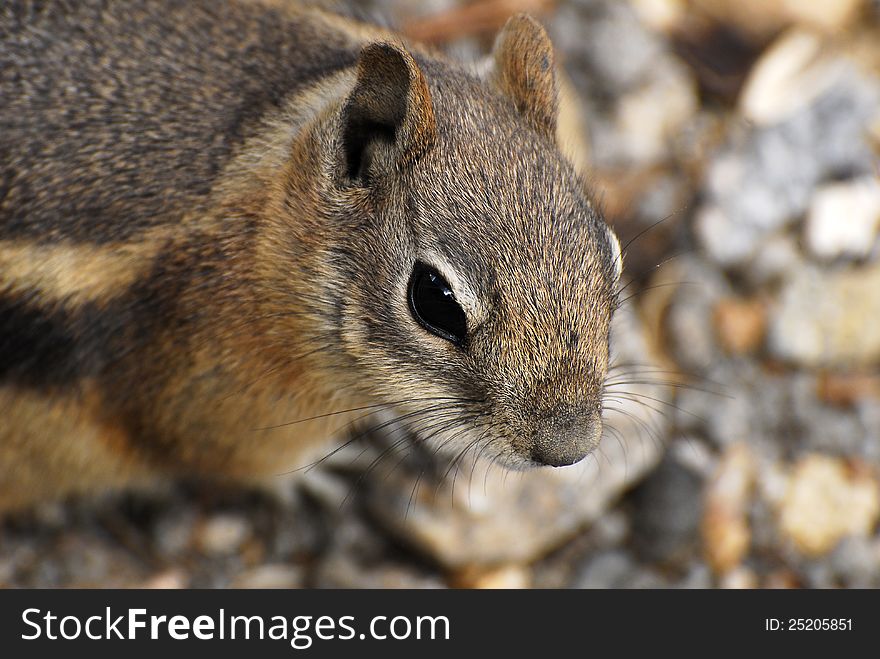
(668, 511)
(856, 562)
(616, 569)
(765, 178)
(357, 557)
(270, 575)
(825, 428)
(605, 570)
(844, 218)
(606, 46)
(222, 534)
(638, 94)
(868, 411)
(689, 318)
(699, 576)
(828, 317)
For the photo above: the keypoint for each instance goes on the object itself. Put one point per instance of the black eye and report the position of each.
(433, 305)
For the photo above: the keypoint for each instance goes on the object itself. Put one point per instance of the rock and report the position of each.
(726, 532)
(660, 15)
(270, 576)
(776, 256)
(761, 18)
(358, 555)
(649, 117)
(492, 517)
(763, 180)
(739, 578)
(172, 579)
(831, 15)
(698, 577)
(844, 219)
(503, 577)
(615, 569)
(828, 318)
(740, 324)
(847, 389)
(868, 412)
(222, 534)
(736, 401)
(828, 500)
(856, 562)
(605, 570)
(173, 533)
(340, 571)
(788, 76)
(781, 579)
(687, 323)
(668, 508)
(611, 56)
(593, 37)
(830, 428)
(726, 241)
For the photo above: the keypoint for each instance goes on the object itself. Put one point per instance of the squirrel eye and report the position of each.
(433, 305)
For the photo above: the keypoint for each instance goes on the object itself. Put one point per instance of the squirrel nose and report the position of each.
(565, 441)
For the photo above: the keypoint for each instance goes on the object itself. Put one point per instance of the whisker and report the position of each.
(636, 396)
(404, 401)
(649, 228)
(666, 284)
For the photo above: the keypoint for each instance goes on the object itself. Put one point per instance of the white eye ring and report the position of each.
(615, 253)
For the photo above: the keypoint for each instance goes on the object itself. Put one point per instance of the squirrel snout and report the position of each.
(566, 440)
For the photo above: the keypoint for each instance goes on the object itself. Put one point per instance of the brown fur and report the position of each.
(254, 182)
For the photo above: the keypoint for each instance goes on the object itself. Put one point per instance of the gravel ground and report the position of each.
(738, 145)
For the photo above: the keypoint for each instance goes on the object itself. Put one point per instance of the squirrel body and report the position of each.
(224, 222)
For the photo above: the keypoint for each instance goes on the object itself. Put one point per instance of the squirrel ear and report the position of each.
(522, 68)
(388, 117)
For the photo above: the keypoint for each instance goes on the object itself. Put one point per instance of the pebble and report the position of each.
(760, 18)
(608, 569)
(687, 317)
(763, 181)
(847, 389)
(844, 219)
(699, 576)
(828, 500)
(593, 34)
(173, 533)
(222, 534)
(660, 15)
(344, 571)
(650, 117)
(171, 579)
(830, 15)
(827, 428)
(856, 561)
(788, 76)
(506, 577)
(739, 578)
(668, 508)
(774, 258)
(654, 94)
(828, 317)
(782, 579)
(725, 528)
(740, 324)
(270, 575)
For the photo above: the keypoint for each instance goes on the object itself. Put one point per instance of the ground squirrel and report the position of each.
(222, 223)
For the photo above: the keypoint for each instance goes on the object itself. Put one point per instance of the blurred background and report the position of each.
(735, 147)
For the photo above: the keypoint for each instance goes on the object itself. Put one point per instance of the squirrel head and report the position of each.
(470, 280)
